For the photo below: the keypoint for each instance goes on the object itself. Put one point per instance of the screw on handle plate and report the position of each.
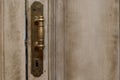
(37, 39)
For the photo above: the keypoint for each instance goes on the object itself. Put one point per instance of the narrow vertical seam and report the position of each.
(26, 42)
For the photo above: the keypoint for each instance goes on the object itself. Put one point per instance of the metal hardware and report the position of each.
(37, 38)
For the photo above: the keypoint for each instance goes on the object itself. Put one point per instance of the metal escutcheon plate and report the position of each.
(37, 39)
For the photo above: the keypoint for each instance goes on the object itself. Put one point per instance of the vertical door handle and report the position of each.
(39, 22)
(37, 38)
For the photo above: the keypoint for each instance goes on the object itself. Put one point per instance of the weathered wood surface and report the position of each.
(44, 76)
(59, 38)
(14, 36)
(91, 39)
(1, 39)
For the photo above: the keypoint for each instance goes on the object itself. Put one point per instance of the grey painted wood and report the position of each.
(92, 34)
(81, 39)
(1, 39)
(14, 36)
(60, 39)
(56, 40)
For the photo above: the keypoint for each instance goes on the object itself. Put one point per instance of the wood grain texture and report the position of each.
(52, 41)
(60, 39)
(44, 76)
(1, 40)
(14, 36)
(91, 39)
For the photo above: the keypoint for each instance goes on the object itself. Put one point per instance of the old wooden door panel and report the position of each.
(91, 39)
(44, 76)
(14, 37)
(83, 38)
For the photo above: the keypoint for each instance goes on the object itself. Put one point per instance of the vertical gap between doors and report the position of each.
(26, 40)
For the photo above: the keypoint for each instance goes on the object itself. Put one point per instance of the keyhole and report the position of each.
(37, 63)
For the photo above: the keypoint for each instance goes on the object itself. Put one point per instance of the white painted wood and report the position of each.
(91, 39)
(44, 76)
(14, 36)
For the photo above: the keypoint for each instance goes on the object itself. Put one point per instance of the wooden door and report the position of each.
(92, 36)
(12, 36)
(81, 40)
(87, 39)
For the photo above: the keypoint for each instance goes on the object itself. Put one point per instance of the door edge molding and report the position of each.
(56, 40)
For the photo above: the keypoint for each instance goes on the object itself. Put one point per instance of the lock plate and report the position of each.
(37, 38)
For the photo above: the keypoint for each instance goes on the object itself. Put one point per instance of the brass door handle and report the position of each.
(37, 39)
(39, 21)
